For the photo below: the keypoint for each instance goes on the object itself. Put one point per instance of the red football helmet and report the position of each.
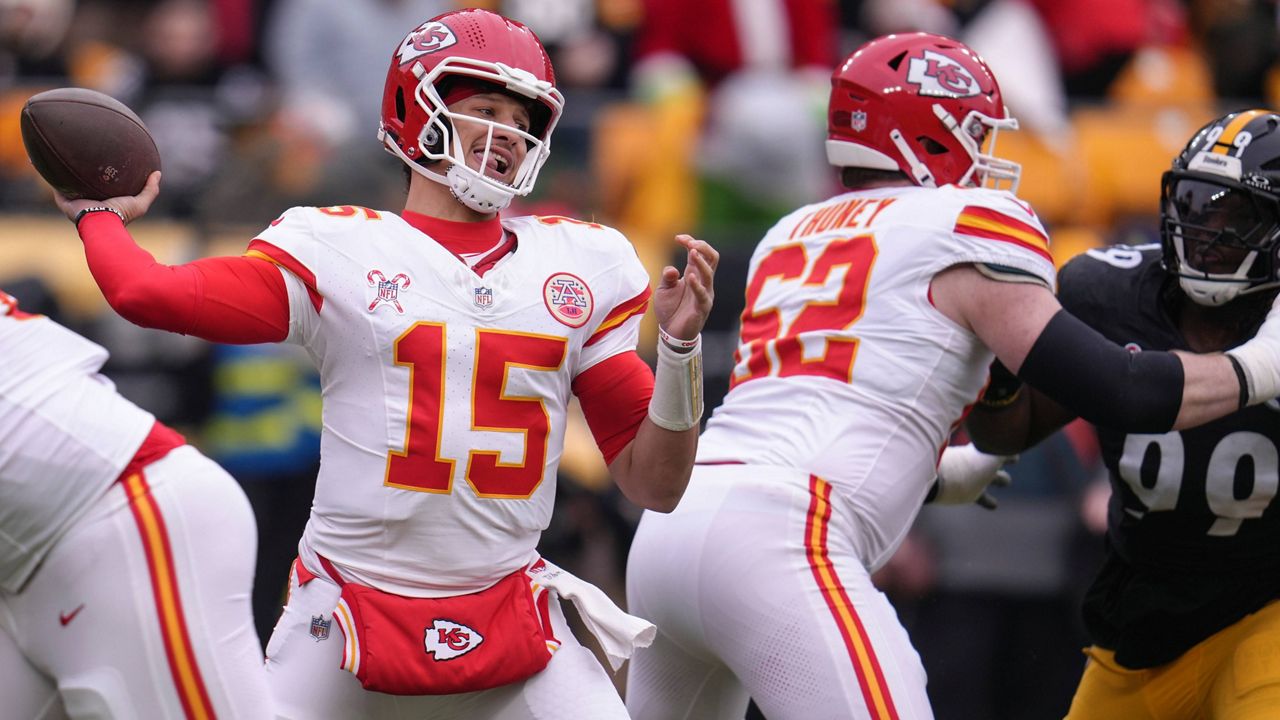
(469, 45)
(923, 104)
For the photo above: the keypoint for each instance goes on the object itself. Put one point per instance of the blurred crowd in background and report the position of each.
(702, 116)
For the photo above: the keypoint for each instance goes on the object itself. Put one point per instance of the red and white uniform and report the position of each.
(127, 592)
(847, 385)
(445, 392)
(67, 435)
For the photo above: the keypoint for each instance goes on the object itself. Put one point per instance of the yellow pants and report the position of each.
(1232, 675)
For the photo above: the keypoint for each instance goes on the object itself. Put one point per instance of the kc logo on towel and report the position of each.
(446, 640)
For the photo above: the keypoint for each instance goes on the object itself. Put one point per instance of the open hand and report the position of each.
(682, 302)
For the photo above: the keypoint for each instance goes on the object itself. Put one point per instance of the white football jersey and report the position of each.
(844, 368)
(444, 392)
(65, 435)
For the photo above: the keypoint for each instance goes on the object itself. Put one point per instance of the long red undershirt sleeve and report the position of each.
(237, 300)
(614, 395)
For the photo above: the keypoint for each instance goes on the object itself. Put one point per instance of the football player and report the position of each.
(1182, 615)
(449, 340)
(870, 323)
(126, 556)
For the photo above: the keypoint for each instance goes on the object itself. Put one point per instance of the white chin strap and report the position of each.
(1211, 293)
(1214, 289)
(479, 196)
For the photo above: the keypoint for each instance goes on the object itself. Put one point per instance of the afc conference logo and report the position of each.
(568, 299)
(940, 76)
(426, 38)
(446, 640)
(388, 290)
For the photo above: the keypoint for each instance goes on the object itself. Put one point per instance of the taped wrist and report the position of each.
(1101, 381)
(676, 404)
(1242, 377)
(1254, 363)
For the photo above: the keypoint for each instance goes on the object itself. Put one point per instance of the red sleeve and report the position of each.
(615, 399)
(237, 300)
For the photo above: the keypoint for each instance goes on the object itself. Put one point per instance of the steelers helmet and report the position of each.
(1220, 209)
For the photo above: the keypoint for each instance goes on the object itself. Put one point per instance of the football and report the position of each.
(87, 144)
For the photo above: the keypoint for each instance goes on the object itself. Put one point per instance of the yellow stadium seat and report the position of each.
(1125, 149)
(1273, 86)
(1164, 75)
(1051, 178)
(1068, 241)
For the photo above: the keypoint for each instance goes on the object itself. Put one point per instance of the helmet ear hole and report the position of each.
(931, 146)
(433, 141)
(400, 104)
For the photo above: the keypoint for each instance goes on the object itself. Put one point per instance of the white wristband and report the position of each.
(1259, 359)
(676, 343)
(676, 404)
(1258, 363)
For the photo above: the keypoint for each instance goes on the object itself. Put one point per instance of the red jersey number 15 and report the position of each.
(420, 466)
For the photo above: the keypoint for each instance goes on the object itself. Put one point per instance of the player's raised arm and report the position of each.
(227, 299)
(653, 469)
(1093, 377)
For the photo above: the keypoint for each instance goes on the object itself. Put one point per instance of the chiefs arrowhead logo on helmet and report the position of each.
(940, 76)
(485, 50)
(426, 38)
(921, 104)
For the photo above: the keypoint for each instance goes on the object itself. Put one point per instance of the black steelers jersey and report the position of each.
(1193, 539)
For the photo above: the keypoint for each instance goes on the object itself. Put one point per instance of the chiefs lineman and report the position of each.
(1182, 615)
(126, 556)
(449, 340)
(870, 323)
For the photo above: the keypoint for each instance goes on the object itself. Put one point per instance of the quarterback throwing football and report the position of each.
(449, 341)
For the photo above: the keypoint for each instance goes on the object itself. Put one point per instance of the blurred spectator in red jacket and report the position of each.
(1095, 39)
(719, 100)
(781, 34)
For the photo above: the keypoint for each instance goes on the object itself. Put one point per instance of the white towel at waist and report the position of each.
(619, 633)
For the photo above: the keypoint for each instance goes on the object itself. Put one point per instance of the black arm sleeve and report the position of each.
(1101, 381)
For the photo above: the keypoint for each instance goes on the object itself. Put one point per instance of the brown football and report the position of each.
(87, 144)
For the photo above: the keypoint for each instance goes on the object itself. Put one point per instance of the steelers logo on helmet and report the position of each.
(1220, 209)
(940, 76)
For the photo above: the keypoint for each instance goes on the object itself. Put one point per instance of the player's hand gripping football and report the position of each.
(131, 207)
(965, 473)
(682, 302)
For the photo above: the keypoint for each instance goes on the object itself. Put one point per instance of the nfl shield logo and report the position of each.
(388, 290)
(484, 297)
(858, 120)
(320, 627)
